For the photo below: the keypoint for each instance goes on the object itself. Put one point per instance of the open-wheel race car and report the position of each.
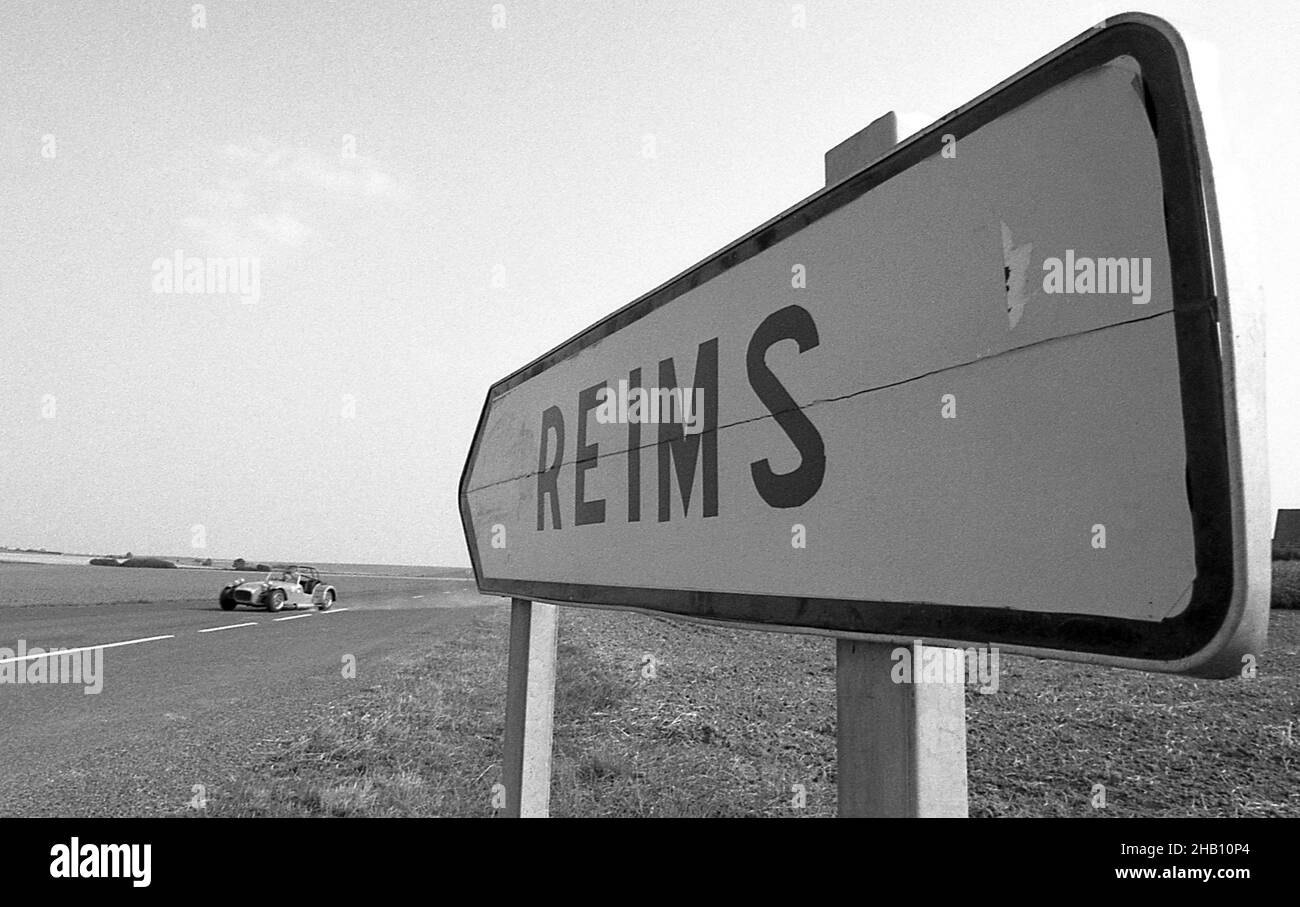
(294, 587)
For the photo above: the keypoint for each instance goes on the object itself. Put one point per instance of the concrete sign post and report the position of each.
(900, 747)
(986, 391)
(530, 710)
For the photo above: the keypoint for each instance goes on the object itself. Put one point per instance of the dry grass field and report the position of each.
(732, 721)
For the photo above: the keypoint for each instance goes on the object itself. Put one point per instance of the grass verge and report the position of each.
(1286, 584)
(661, 718)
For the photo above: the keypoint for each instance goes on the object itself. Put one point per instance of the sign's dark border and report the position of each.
(1200, 368)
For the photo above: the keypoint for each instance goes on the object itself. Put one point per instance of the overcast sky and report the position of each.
(436, 193)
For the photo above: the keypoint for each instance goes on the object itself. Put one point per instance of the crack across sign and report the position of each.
(870, 390)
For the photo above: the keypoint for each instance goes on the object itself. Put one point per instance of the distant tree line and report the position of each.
(130, 561)
(240, 564)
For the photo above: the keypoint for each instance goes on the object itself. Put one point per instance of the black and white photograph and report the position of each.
(435, 409)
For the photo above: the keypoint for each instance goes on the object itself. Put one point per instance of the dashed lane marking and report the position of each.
(135, 642)
(107, 645)
(251, 623)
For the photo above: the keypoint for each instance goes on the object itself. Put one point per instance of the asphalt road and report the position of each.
(183, 710)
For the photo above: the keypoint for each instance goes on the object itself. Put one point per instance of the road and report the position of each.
(194, 692)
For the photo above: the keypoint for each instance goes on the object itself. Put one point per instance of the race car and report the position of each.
(295, 587)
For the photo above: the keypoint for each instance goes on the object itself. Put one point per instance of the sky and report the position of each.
(435, 194)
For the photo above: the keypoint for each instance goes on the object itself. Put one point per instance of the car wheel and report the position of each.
(327, 602)
(227, 603)
(275, 601)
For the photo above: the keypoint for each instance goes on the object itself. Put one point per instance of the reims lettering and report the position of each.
(677, 447)
(797, 487)
(683, 455)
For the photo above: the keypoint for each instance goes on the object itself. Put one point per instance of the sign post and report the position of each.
(900, 747)
(530, 709)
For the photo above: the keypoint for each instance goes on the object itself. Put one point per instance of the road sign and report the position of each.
(1287, 533)
(980, 392)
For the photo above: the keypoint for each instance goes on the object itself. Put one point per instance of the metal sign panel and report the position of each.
(1287, 533)
(976, 393)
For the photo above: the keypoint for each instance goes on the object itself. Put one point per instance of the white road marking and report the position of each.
(334, 611)
(417, 596)
(107, 645)
(251, 623)
(293, 616)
